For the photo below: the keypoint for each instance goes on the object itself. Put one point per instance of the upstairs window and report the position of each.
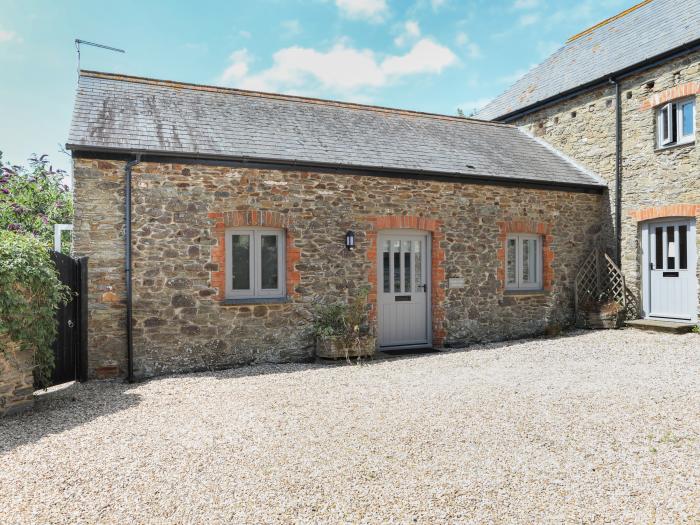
(676, 123)
(524, 262)
(255, 263)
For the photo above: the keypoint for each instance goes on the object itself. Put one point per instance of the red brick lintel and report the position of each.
(671, 210)
(676, 92)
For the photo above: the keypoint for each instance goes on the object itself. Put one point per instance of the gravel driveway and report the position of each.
(594, 427)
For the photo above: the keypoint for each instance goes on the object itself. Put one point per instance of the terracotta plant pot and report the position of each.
(340, 348)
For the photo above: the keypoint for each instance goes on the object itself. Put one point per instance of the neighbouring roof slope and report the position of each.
(130, 114)
(645, 31)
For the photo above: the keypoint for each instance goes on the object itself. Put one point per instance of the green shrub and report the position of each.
(339, 319)
(30, 292)
(33, 199)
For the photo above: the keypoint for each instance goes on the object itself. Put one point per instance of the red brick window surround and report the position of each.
(437, 277)
(233, 219)
(526, 226)
(680, 91)
(671, 210)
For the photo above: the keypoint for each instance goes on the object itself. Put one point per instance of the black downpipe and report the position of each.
(127, 241)
(618, 172)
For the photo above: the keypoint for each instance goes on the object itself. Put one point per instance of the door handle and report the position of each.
(70, 323)
(424, 287)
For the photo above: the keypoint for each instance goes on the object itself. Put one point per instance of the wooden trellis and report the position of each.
(599, 281)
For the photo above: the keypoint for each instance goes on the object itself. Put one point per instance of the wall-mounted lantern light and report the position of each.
(350, 240)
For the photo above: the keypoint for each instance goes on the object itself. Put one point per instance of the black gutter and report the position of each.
(321, 167)
(618, 171)
(127, 242)
(599, 82)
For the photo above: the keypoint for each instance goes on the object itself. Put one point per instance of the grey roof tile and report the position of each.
(116, 112)
(648, 31)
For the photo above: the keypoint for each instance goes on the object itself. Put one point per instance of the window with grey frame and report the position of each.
(255, 263)
(675, 123)
(523, 262)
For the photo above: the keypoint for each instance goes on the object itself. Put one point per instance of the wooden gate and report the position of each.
(70, 346)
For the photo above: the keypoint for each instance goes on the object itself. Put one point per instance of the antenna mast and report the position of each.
(93, 44)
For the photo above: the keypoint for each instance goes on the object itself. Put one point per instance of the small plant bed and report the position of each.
(602, 314)
(341, 329)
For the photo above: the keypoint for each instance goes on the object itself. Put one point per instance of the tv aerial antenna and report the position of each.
(78, 43)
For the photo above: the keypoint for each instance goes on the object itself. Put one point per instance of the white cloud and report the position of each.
(245, 34)
(238, 68)
(409, 32)
(342, 69)
(291, 28)
(371, 10)
(472, 106)
(526, 4)
(528, 20)
(425, 57)
(437, 4)
(7, 36)
(473, 49)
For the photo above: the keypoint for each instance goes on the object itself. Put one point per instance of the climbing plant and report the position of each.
(30, 292)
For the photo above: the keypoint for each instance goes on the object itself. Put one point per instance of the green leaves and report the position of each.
(30, 292)
(342, 319)
(33, 199)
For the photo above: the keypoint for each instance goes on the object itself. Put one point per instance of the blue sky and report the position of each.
(428, 55)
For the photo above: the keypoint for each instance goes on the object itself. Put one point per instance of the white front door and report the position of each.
(404, 288)
(670, 284)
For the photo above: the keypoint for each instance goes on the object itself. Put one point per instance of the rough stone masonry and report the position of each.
(656, 182)
(180, 321)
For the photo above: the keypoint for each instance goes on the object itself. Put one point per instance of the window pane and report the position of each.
(407, 265)
(683, 247)
(663, 121)
(397, 266)
(386, 268)
(269, 258)
(418, 262)
(671, 249)
(529, 261)
(688, 122)
(674, 123)
(659, 249)
(510, 261)
(240, 261)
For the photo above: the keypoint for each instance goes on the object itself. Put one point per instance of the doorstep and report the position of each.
(661, 326)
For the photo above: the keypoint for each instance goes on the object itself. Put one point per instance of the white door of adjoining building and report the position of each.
(403, 289)
(669, 276)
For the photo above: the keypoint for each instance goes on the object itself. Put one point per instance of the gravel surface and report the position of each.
(595, 427)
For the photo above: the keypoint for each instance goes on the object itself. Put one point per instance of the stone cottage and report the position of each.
(215, 219)
(620, 98)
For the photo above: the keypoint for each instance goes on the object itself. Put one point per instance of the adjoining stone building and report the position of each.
(241, 208)
(641, 70)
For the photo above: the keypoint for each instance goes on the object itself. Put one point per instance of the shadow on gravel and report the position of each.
(58, 411)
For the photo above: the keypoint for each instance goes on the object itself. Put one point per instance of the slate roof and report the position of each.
(646, 31)
(131, 114)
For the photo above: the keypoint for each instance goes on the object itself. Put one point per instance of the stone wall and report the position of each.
(584, 129)
(16, 378)
(180, 210)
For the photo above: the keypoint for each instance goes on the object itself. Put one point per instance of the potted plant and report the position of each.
(342, 329)
(602, 313)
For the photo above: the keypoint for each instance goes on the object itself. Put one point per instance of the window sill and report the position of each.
(525, 293)
(661, 149)
(255, 300)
